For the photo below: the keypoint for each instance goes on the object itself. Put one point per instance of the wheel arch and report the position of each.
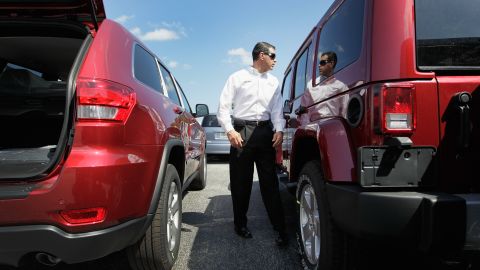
(309, 151)
(327, 140)
(173, 153)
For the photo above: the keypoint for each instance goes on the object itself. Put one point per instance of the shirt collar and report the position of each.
(255, 72)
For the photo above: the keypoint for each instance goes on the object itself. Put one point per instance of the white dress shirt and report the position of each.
(320, 95)
(251, 95)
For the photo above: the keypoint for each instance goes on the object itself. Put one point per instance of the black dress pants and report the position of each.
(257, 149)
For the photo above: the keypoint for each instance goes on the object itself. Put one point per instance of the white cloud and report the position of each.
(339, 48)
(124, 18)
(162, 32)
(177, 26)
(136, 31)
(159, 34)
(244, 55)
(173, 64)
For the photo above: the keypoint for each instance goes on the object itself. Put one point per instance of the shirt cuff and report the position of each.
(278, 127)
(228, 128)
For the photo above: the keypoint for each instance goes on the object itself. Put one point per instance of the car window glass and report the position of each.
(300, 74)
(169, 85)
(145, 68)
(186, 105)
(210, 121)
(447, 34)
(310, 63)
(287, 85)
(17, 67)
(342, 34)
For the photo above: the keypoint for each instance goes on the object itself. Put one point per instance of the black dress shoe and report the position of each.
(243, 232)
(281, 240)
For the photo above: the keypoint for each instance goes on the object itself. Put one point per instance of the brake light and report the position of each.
(103, 100)
(397, 108)
(84, 216)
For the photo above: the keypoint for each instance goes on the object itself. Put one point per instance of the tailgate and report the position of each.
(448, 44)
(89, 12)
(459, 150)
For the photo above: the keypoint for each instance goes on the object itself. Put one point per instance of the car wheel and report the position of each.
(320, 241)
(200, 182)
(158, 248)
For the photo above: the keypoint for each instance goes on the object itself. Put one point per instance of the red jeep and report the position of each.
(97, 139)
(383, 127)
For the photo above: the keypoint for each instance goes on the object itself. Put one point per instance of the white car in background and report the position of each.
(217, 141)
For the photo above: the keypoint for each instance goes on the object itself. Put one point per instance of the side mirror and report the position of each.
(301, 110)
(201, 110)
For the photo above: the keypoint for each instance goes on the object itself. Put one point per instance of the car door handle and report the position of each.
(178, 110)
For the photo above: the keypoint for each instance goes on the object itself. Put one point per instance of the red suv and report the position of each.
(382, 137)
(98, 140)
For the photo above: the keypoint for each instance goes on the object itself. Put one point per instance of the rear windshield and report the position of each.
(210, 121)
(448, 34)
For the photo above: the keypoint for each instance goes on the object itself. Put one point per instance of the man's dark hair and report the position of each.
(332, 56)
(261, 47)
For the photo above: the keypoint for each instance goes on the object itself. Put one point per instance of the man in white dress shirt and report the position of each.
(327, 87)
(250, 111)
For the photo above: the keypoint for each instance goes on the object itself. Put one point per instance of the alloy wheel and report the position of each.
(310, 224)
(173, 226)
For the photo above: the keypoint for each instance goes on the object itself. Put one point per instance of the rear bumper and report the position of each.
(18, 241)
(427, 221)
(121, 180)
(472, 236)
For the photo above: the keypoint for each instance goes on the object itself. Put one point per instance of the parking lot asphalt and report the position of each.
(209, 241)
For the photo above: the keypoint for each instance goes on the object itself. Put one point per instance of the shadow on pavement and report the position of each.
(216, 246)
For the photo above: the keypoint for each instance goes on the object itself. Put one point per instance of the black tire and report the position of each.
(200, 182)
(321, 243)
(158, 248)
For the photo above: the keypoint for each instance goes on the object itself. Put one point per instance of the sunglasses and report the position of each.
(324, 62)
(272, 55)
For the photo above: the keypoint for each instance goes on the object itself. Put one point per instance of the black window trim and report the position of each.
(162, 82)
(324, 23)
(182, 94)
(160, 64)
(305, 50)
(288, 73)
(158, 70)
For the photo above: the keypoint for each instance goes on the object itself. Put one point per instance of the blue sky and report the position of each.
(203, 42)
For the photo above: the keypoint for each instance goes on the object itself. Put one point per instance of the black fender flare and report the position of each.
(169, 145)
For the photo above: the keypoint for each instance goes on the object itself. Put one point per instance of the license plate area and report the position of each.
(396, 167)
(220, 136)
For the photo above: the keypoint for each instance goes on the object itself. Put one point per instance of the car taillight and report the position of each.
(397, 108)
(84, 216)
(103, 100)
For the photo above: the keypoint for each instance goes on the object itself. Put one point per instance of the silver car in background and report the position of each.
(217, 142)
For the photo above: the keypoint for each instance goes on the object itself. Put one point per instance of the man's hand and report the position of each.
(235, 139)
(277, 138)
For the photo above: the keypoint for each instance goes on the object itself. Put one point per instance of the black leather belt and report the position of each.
(241, 122)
